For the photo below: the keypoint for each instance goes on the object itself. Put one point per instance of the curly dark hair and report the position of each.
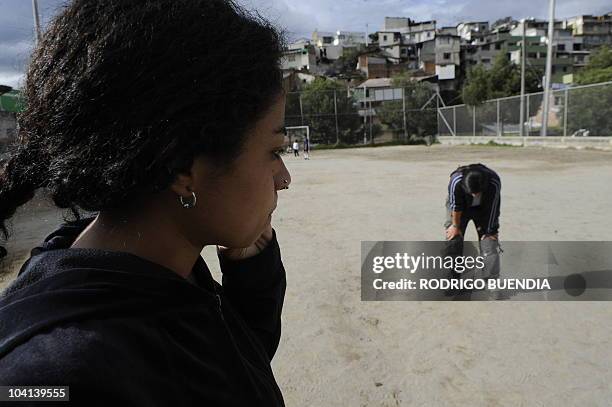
(121, 96)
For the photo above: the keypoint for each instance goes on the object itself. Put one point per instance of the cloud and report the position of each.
(301, 17)
(13, 79)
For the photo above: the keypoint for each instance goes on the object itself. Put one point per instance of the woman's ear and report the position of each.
(183, 184)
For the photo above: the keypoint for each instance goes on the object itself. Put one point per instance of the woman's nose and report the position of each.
(282, 179)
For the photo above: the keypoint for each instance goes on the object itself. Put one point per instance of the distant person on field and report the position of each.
(296, 149)
(306, 149)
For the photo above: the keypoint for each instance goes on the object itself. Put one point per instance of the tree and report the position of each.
(319, 112)
(419, 123)
(502, 80)
(599, 68)
(590, 108)
(476, 88)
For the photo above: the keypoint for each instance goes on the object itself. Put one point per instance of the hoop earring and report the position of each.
(189, 205)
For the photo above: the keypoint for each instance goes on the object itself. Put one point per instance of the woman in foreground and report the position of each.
(165, 119)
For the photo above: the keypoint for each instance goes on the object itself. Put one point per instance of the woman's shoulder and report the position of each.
(63, 355)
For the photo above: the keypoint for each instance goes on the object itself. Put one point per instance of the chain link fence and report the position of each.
(364, 115)
(576, 111)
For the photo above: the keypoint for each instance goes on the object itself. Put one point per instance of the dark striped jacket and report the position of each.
(460, 200)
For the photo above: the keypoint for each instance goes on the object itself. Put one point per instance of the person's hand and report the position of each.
(240, 253)
(452, 232)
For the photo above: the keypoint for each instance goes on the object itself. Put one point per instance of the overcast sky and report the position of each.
(301, 17)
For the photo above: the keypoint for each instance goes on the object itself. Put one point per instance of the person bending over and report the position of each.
(474, 194)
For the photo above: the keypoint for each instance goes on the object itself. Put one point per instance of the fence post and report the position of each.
(301, 111)
(454, 120)
(336, 115)
(499, 133)
(527, 115)
(404, 109)
(565, 113)
(474, 121)
(371, 118)
(365, 114)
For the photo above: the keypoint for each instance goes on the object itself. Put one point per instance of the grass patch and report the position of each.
(492, 143)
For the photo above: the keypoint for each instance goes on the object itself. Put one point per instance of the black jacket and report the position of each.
(120, 330)
(460, 200)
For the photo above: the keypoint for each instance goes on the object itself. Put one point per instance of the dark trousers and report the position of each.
(479, 215)
(489, 248)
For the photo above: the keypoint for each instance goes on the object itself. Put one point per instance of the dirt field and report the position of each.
(339, 351)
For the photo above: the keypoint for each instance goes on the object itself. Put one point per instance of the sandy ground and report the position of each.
(339, 351)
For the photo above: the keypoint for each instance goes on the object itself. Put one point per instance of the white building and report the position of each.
(389, 38)
(594, 30)
(412, 32)
(299, 55)
(448, 58)
(472, 30)
(349, 38)
(332, 45)
(322, 39)
(534, 27)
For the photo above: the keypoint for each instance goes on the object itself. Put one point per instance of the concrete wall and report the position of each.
(601, 143)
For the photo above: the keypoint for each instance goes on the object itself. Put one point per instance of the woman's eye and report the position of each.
(277, 153)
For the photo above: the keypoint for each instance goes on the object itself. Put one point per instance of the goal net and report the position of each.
(298, 133)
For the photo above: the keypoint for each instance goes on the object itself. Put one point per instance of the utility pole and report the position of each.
(366, 38)
(36, 20)
(522, 114)
(365, 114)
(548, 79)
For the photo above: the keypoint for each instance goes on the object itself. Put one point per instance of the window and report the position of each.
(532, 55)
(485, 47)
(498, 46)
(512, 44)
(560, 47)
(577, 47)
(486, 60)
(447, 55)
(291, 58)
(384, 38)
(565, 69)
